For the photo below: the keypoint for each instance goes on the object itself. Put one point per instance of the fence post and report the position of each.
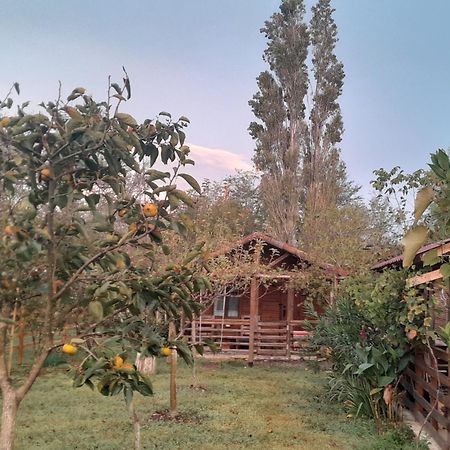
(253, 319)
(290, 318)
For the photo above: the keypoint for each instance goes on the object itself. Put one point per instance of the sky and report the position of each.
(200, 59)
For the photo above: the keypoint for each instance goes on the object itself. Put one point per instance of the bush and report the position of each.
(367, 332)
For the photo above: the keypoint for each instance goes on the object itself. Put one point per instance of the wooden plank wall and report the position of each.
(269, 305)
(422, 384)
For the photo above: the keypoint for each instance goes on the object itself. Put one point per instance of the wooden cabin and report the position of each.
(265, 316)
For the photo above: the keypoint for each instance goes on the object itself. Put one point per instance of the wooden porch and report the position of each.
(279, 339)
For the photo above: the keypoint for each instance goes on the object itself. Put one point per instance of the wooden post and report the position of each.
(173, 382)
(253, 319)
(193, 331)
(289, 318)
(173, 372)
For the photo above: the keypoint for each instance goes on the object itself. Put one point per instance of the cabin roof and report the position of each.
(397, 260)
(282, 246)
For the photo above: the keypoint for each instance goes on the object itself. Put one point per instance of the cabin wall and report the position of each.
(272, 305)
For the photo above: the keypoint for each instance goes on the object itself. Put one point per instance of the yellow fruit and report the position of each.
(123, 212)
(127, 368)
(150, 210)
(69, 349)
(166, 351)
(10, 230)
(5, 121)
(132, 228)
(118, 362)
(46, 174)
(121, 264)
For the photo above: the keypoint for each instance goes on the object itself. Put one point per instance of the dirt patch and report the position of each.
(198, 387)
(181, 417)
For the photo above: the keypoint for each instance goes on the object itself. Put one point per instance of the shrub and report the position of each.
(367, 332)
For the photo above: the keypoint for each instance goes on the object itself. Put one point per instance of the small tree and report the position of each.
(70, 228)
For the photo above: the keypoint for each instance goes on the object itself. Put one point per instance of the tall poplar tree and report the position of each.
(280, 109)
(296, 139)
(324, 171)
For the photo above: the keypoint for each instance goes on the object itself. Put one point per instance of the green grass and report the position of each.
(241, 408)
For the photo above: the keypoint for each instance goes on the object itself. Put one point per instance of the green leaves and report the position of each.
(363, 367)
(153, 175)
(431, 258)
(440, 164)
(445, 271)
(191, 181)
(423, 199)
(184, 197)
(96, 310)
(126, 119)
(412, 241)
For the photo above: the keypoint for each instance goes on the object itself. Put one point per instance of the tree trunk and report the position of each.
(173, 383)
(9, 414)
(136, 426)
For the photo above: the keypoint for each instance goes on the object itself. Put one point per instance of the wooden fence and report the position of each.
(23, 340)
(427, 392)
(271, 339)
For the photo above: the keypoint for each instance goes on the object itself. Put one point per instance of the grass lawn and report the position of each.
(264, 407)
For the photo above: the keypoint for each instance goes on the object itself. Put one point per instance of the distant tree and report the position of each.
(228, 209)
(352, 236)
(296, 138)
(279, 106)
(323, 170)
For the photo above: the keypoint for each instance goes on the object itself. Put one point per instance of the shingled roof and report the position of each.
(396, 261)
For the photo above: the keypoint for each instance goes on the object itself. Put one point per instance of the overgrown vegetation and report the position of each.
(370, 332)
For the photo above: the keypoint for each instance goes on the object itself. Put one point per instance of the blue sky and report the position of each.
(200, 58)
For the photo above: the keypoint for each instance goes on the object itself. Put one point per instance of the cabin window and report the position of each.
(231, 305)
(218, 306)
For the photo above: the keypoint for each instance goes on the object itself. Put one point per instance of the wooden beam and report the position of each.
(425, 278)
(273, 276)
(254, 288)
(278, 260)
(289, 318)
(193, 331)
(442, 250)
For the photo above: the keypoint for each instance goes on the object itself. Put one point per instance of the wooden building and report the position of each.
(426, 380)
(264, 316)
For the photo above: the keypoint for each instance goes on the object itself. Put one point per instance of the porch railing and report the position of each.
(275, 338)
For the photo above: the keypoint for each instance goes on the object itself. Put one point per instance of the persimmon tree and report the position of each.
(69, 228)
